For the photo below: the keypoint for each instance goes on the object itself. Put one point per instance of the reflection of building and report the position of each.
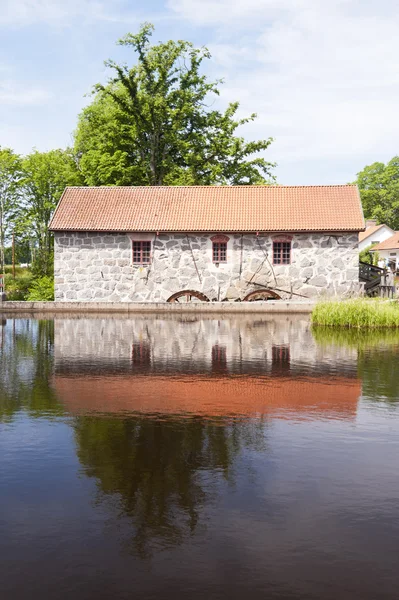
(216, 396)
(210, 367)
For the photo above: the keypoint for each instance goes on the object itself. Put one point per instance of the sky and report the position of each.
(322, 75)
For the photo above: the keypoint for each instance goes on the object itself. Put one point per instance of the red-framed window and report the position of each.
(219, 248)
(282, 251)
(141, 253)
(219, 252)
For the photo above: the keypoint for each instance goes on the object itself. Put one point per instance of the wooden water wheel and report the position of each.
(261, 295)
(188, 296)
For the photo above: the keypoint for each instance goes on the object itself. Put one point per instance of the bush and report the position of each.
(41, 290)
(357, 313)
(366, 256)
(18, 288)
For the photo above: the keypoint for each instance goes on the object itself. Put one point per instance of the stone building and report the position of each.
(154, 244)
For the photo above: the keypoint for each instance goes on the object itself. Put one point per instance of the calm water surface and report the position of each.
(197, 458)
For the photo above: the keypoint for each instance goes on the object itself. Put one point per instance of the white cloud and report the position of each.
(322, 76)
(28, 12)
(14, 94)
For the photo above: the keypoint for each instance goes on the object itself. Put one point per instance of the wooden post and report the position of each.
(13, 255)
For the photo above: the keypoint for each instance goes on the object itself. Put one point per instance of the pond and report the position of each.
(217, 458)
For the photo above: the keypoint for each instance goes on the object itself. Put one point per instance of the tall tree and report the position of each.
(152, 124)
(10, 177)
(46, 174)
(379, 190)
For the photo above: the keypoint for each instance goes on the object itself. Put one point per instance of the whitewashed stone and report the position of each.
(90, 266)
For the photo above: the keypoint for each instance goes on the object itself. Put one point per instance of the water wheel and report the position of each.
(188, 296)
(261, 295)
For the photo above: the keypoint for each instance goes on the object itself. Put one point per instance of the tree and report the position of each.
(10, 177)
(379, 190)
(365, 256)
(152, 124)
(46, 174)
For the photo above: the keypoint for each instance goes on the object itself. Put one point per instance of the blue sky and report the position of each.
(323, 75)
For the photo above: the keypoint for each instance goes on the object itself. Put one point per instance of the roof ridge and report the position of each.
(171, 187)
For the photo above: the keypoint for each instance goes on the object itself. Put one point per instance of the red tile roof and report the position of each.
(391, 243)
(210, 208)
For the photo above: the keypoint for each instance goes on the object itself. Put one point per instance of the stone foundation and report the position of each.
(98, 267)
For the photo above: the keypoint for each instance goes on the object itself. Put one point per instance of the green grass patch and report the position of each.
(357, 313)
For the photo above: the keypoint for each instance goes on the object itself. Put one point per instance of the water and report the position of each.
(156, 457)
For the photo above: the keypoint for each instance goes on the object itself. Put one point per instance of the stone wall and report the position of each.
(98, 266)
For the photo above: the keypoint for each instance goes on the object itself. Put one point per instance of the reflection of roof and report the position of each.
(210, 208)
(392, 243)
(369, 231)
(209, 396)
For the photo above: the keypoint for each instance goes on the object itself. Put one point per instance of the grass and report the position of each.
(357, 313)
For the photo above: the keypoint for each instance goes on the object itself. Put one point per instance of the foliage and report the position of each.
(46, 174)
(18, 288)
(379, 190)
(10, 176)
(357, 313)
(41, 290)
(152, 125)
(22, 252)
(368, 257)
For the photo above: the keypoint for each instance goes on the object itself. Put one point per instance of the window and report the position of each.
(219, 252)
(392, 254)
(141, 253)
(281, 252)
(219, 248)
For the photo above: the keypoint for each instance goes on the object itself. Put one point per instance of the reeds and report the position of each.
(357, 313)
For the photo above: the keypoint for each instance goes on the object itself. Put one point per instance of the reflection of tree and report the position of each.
(378, 369)
(378, 356)
(159, 469)
(26, 366)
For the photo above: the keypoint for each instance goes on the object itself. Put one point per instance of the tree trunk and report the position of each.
(1, 235)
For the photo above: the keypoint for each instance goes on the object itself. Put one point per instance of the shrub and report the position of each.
(366, 256)
(18, 288)
(41, 290)
(357, 313)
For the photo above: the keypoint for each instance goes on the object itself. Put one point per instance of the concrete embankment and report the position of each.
(270, 306)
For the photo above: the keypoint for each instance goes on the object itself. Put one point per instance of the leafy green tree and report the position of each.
(10, 177)
(152, 124)
(365, 256)
(46, 174)
(379, 190)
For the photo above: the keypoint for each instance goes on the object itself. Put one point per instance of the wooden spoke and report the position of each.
(188, 296)
(261, 296)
